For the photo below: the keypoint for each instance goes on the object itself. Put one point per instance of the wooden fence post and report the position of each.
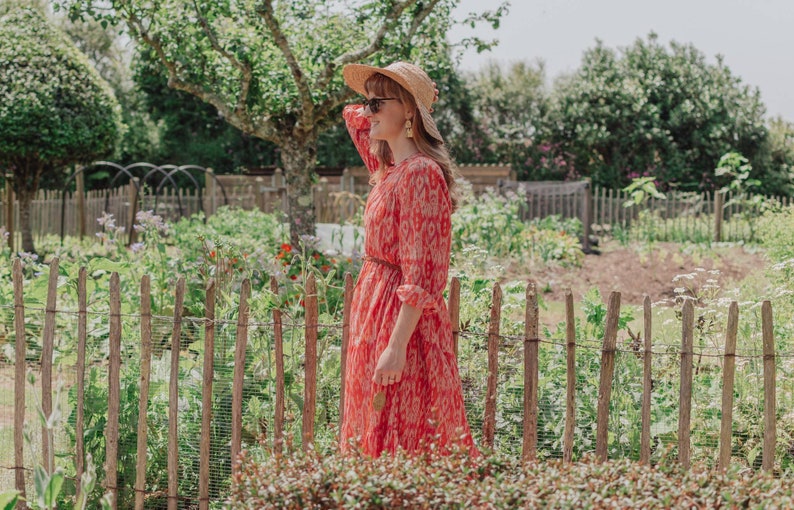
(47, 350)
(570, 401)
(310, 381)
(206, 396)
(143, 397)
(728, 372)
(345, 344)
(718, 200)
(647, 383)
(240, 347)
(685, 397)
(9, 215)
(489, 421)
(770, 404)
(454, 311)
(114, 392)
(82, 323)
(531, 341)
(607, 371)
(133, 208)
(587, 216)
(259, 193)
(80, 195)
(211, 194)
(278, 340)
(20, 348)
(173, 398)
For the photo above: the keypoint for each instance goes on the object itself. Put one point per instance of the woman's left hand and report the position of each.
(390, 366)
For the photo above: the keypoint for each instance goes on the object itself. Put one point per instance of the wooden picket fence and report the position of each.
(531, 341)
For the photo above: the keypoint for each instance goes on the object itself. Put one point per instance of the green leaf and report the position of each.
(8, 499)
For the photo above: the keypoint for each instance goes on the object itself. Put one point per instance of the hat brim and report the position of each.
(356, 76)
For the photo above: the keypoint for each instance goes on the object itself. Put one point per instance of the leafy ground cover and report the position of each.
(334, 481)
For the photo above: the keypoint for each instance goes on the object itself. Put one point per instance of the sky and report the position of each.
(755, 37)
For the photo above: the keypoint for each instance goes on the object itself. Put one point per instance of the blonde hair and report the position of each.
(383, 86)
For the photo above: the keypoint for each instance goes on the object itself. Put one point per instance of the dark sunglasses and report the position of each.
(374, 104)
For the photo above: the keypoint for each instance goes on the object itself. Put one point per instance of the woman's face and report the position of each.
(388, 122)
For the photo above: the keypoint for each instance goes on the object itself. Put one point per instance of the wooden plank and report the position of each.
(531, 341)
(718, 198)
(570, 401)
(208, 371)
(310, 364)
(685, 396)
(82, 330)
(345, 344)
(143, 396)
(20, 348)
(240, 347)
(770, 403)
(728, 373)
(114, 392)
(647, 383)
(278, 340)
(489, 421)
(47, 350)
(173, 398)
(607, 372)
(454, 311)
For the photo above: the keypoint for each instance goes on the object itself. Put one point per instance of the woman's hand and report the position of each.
(390, 366)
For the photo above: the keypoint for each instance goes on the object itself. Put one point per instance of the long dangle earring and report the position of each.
(409, 130)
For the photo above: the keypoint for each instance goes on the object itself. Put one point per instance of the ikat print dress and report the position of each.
(407, 226)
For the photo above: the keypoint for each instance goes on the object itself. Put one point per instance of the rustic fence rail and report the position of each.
(194, 339)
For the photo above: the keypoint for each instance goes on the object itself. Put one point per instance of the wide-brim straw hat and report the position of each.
(412, 78)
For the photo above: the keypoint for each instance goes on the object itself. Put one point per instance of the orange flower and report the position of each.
(325, 268)
(212, 254)
(286, 248)
(245, 255)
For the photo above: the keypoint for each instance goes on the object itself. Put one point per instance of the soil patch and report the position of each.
(638, 270)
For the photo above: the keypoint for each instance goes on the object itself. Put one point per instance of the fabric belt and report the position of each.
(382, 262)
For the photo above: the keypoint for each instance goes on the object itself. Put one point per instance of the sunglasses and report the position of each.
(375, 103)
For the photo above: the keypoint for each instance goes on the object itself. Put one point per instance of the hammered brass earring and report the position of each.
(409, 129)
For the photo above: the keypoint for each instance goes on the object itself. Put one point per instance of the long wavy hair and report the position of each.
(383, 86)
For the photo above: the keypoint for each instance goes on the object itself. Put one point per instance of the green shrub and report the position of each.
(457, 481)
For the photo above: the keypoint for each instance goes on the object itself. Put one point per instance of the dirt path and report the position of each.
(636, 271)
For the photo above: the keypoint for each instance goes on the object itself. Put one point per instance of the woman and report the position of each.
(402, 390)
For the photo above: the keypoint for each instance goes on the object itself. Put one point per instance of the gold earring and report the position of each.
(409, 130)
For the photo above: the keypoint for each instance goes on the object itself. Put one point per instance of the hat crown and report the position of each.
(416, 81)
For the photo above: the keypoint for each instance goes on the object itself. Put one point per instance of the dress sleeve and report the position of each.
(424, 234)
(358, 127)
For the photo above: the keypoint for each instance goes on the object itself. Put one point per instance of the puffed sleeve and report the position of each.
(424, 234)
(358, 127)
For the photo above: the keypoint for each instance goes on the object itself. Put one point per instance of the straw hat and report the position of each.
(411, 77)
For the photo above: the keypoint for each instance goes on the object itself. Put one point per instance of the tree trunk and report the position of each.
(299, 158)
(24, 198)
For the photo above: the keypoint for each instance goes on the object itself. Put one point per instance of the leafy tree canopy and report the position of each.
(54, 108)
(272, 69)
(652, 110)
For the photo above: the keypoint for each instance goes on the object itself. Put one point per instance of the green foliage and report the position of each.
(493, 223)
(54, 108)
(493, 481)
(649, 110)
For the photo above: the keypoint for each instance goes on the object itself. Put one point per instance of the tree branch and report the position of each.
(237, 118)
(244, 68)
(332, 101)
(307, 112)
(389, 21)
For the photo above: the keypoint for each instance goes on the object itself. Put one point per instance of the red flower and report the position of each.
(212, 254)
(293, 277)
(325, 268)
(316, 256)
(286, 248)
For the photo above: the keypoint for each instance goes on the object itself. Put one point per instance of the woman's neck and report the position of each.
(402, 148)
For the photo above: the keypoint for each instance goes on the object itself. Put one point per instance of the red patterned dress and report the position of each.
(407, 227)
